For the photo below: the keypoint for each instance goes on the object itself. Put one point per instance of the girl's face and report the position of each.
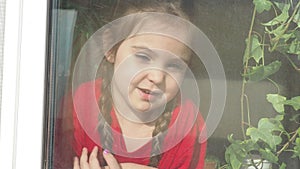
(148, 70)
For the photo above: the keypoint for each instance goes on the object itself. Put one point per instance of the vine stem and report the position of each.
(115, 8)
(248, 110)
(288, 143)
(275, 84)
(247, 56)
(293, 64)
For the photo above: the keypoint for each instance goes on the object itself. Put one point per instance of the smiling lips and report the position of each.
(148, 95)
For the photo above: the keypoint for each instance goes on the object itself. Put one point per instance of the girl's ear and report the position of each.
(110, 56)
(107, 39)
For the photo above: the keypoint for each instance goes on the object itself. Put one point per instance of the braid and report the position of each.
(105, 103)
(161, 125)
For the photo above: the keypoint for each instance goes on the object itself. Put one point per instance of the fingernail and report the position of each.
(106, 151)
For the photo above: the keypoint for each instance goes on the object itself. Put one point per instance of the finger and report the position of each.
(93, 160)
(76, 163)
(83, 159)
(111, 160)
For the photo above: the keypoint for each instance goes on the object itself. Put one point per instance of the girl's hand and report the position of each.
(111, 161)
(86, 162)
(92, 162)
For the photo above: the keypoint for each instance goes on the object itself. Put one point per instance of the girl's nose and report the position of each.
(156, 76)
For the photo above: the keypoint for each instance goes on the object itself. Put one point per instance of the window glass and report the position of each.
(174, 84)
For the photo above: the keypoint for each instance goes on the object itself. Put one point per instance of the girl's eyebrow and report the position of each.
(144, 48)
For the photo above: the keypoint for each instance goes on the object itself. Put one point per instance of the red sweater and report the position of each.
(186, 152)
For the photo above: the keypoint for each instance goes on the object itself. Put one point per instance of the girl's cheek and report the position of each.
(172, 85)
(175, 78)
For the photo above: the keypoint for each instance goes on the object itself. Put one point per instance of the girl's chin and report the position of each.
(146, 107)
(142, 108)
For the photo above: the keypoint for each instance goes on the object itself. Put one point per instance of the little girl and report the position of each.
(142, 118)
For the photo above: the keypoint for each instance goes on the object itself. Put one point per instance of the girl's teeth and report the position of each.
(146, 91)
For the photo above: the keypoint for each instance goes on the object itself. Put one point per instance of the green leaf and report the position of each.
(282, 18)
(296, 33)
(282, 6)
(295, 118)
(294, 47)
(297, 145)
(279, 117)
(268, 155)
(262, 5)
(277, 102)
(271, 124)
(256, 51)
(282, 166)
(266, 137)
(235, 153)
(288, 36)
(294, 102)
(282, 45)
(238, 150)
(277, 31)
(297, 148)
(296, 18)
(235, 163)
(265, 132)
(261, 72)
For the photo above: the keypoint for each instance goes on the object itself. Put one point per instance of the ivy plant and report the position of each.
(269, 138)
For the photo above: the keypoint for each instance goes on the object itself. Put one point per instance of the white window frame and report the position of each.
(22, 104)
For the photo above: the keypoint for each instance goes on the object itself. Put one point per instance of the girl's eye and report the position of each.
(176, 67)
(143, 57)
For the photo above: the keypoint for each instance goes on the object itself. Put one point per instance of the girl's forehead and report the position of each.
(160, 42)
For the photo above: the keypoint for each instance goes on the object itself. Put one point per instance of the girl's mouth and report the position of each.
(147, 94)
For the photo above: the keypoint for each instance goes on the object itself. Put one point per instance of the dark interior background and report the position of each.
(226, 23)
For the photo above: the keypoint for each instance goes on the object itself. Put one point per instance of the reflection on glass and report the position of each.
(142, 62)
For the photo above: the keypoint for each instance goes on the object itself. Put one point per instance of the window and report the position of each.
(253, 86)
(247, 90)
